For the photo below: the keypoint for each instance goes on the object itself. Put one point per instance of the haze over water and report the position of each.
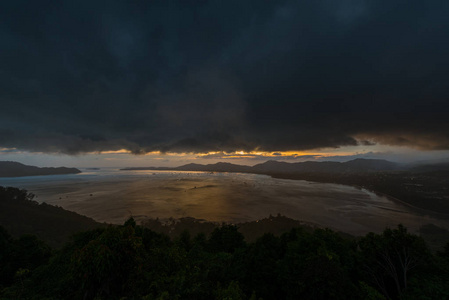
(111, 195)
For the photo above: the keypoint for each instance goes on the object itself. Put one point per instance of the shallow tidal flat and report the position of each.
(112, 196)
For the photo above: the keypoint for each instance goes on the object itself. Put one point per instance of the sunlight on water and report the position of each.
(111, 195)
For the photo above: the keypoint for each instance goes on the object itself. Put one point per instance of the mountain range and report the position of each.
(353, 166)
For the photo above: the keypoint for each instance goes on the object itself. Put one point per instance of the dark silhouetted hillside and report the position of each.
(272, 166)
(356, 165)
(15, 169)
(431, 167)
(218, 167)
(19, 214)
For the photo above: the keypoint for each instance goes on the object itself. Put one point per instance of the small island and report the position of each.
(16, 169)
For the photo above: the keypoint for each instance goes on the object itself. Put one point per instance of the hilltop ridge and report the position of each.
(16, 169)
(356, 165)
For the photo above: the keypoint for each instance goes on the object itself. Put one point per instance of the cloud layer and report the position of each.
(200, 76)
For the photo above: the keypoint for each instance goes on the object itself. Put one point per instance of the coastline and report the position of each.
(231, 198)
(417, 209)
(306, 177)
(327, 178)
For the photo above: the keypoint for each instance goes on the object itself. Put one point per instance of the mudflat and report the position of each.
(113, 195)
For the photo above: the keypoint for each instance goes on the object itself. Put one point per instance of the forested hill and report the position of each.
(15, 169)
(19, 214)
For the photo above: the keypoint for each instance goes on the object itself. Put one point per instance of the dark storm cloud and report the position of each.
(198, 76)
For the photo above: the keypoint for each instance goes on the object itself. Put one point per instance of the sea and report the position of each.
(112, 195)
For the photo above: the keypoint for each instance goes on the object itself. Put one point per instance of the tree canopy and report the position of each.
(130, 261)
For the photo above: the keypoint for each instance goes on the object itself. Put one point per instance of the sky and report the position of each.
(162, 83)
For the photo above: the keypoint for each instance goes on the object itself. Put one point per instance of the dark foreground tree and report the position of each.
(318, 266)
(390, 258)
(110, 264)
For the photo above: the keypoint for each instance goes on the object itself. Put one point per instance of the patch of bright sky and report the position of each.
(123, 158)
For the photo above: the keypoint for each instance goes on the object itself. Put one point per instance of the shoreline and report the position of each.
(394, 199)
(422, 211)
(237, 197)
(417, 209)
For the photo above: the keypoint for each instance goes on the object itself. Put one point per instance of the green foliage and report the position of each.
(16, 256)
(445, 252)
(130, 222)
(430, 280)
(261, 261)
(427, 287)
(370, 293)
(5, 257)
(107, 265)
(132, 262)
(318, 266)
(232, 292)
(184, 241)
(226, 238)
(391, 259)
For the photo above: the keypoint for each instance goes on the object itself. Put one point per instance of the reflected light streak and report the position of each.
(271, 154)
(234, 154)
